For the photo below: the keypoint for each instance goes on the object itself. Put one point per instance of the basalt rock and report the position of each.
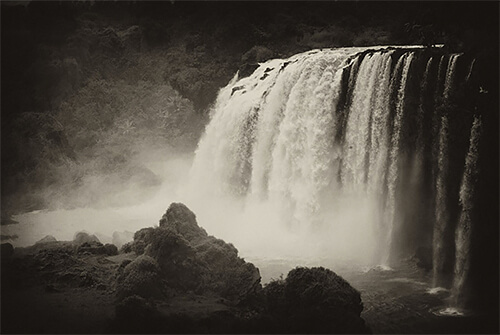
(191, 260)
(140, 277)
(314, 300)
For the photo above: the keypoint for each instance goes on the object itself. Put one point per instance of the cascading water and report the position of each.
(466, 221)
(442, 215)
(341, 147)
(442, 223)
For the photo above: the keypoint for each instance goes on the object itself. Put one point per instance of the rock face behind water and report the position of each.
(191, 260)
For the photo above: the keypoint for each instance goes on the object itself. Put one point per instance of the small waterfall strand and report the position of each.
(465, 224)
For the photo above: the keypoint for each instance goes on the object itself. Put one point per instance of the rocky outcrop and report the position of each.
(314, 300)
(423, 257)
(140, 277)
(251, 59)
(191, 260)
(97, 248)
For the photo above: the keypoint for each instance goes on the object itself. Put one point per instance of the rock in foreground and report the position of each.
(186, 281)
(174, 278)
(191, 260)
(314, 300)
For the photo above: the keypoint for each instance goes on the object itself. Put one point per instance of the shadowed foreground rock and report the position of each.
(314, 300)
(174, 278)
(186, 281)
(191, 260)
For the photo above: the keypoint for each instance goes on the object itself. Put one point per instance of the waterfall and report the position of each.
(442, 215)
(450, 75)
(465, 227)
(394, 167)
(342, 148)
(469, 74)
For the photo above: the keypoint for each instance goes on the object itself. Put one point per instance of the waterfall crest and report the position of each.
(350, 146)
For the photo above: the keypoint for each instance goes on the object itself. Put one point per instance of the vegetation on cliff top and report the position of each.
(87, 86)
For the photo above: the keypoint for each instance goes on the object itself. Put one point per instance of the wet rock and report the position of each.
(236, 88)
(314, 300)
(423, 257)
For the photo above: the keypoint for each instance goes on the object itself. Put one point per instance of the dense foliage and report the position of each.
(88, 86)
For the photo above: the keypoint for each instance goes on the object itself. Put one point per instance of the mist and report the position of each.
(128, 206)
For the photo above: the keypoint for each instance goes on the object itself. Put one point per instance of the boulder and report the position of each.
(191, 260)
(423, 258)
(110, 249)
(140, 277)
(83, 237)
(142, 238)
(314, 300)
(182, 220)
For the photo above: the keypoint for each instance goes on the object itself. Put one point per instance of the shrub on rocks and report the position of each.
(191, 260)
(139, 277)
(142, 238)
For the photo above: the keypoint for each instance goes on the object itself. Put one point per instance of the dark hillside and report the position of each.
(87, 86)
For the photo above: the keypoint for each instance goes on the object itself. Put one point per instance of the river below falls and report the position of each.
(396, 300)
